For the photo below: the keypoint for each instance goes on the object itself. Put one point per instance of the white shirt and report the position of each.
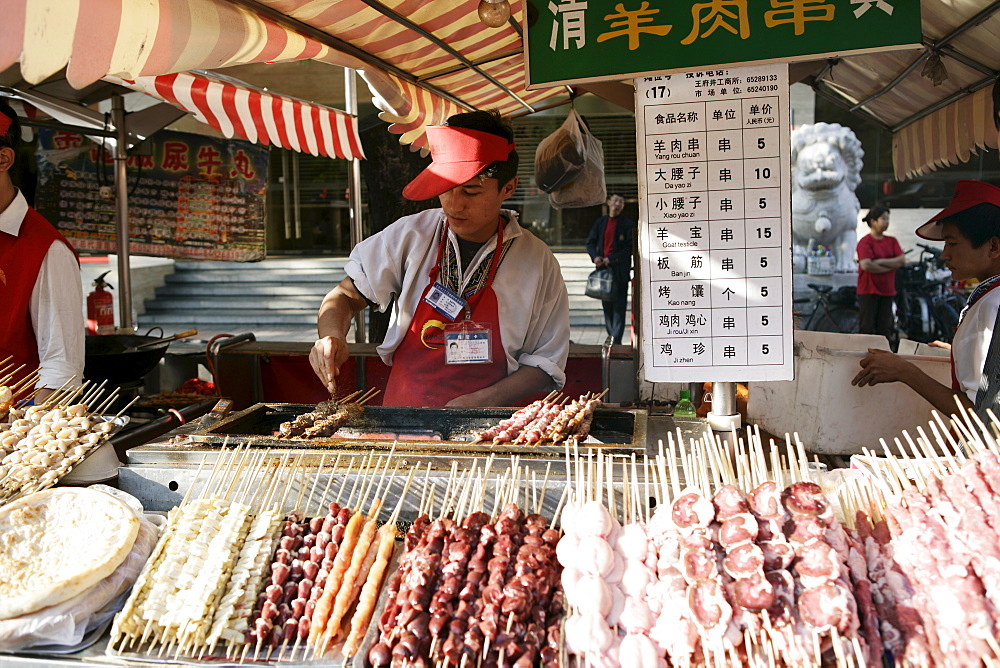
(56, 306)
(532, 304)
(972, 342)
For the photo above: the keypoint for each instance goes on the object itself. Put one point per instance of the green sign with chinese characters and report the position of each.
(576, 41)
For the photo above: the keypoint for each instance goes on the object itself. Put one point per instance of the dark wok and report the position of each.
(106, 359)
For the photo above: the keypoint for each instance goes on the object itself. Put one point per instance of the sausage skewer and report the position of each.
(369, 593)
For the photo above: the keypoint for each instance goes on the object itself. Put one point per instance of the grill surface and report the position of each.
(444, 429)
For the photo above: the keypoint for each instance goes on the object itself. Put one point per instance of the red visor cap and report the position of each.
(967, 195)
(457, 154)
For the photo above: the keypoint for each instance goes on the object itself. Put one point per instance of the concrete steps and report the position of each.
(281, 297)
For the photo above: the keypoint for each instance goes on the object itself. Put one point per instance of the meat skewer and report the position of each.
(544, 420)
(326, 418)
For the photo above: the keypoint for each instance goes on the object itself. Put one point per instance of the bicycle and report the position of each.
(833, 310)
(926, 308)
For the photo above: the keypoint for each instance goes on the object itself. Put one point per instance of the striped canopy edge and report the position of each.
(946, 137)
(141, 41)
(256, 115)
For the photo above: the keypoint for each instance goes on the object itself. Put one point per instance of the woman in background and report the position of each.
(879, 256)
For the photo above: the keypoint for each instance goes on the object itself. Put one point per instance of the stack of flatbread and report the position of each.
(65, 553)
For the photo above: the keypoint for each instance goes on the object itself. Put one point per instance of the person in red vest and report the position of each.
(41, 322)
(970, 229)
(480, 313)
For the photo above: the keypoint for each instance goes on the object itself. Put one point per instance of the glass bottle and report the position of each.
(684, 407)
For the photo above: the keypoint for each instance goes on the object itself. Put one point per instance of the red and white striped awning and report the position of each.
(259, 116)
(423, 61)
(133, 38)
(463, 65)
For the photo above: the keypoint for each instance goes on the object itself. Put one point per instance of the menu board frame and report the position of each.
(714, 173)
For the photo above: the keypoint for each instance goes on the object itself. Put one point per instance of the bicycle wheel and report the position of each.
(840, 319)
(945, 319)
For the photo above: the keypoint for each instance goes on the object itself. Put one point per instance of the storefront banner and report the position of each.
(194, 197)
(715, 270)
(578, 41)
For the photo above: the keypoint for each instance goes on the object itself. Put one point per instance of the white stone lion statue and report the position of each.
(826, 168)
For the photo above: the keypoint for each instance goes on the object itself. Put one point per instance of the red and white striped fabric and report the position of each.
(133, 39)
(258, 116)
(497, 52)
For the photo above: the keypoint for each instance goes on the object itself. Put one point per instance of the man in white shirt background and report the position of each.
(41, 322)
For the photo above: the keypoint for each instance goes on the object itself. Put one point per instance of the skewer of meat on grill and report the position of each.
(327, 418)
(545, 420)
(507, 429)
(535, 432)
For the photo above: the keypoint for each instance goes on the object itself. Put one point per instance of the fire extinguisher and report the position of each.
(101, 308)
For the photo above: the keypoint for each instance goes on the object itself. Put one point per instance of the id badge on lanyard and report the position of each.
(444, 301)
(467, 342)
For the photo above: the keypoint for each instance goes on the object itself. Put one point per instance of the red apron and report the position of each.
(419, 375)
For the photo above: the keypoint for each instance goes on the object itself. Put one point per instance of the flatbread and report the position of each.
(58, 543)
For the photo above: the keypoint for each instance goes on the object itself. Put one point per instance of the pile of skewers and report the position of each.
(43, 443)
(746, 565)
(232, 576)
(743, 560)
(327, 417)
(18, 391)
(928, 526)
(554, 419)
(474, 588)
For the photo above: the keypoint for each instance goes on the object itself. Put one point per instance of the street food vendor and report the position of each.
(470, 326)
(970, 229)
(41, 322)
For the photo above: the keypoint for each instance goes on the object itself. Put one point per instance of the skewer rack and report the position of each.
(161, 472)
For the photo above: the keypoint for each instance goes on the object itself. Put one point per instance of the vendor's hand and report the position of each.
(328, 354)
(940, 344)
(599, 261)
(881, 366)
(471, 400)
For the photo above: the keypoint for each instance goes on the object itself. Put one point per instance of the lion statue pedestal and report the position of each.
(826, 168)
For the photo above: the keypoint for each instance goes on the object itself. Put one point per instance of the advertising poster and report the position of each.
(194, 197)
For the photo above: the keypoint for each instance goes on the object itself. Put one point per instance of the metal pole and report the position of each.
(295, 196)
(724, 399)
(121, 211)
(354, 186)
(286, 206)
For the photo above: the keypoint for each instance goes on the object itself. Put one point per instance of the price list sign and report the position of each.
(715, 237)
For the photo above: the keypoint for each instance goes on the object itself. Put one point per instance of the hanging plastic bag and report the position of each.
(560, 157)
(601, 284)
(587, 187)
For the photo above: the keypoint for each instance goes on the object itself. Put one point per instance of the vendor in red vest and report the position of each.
(480, 314)
(41, 322)
(970, 229)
